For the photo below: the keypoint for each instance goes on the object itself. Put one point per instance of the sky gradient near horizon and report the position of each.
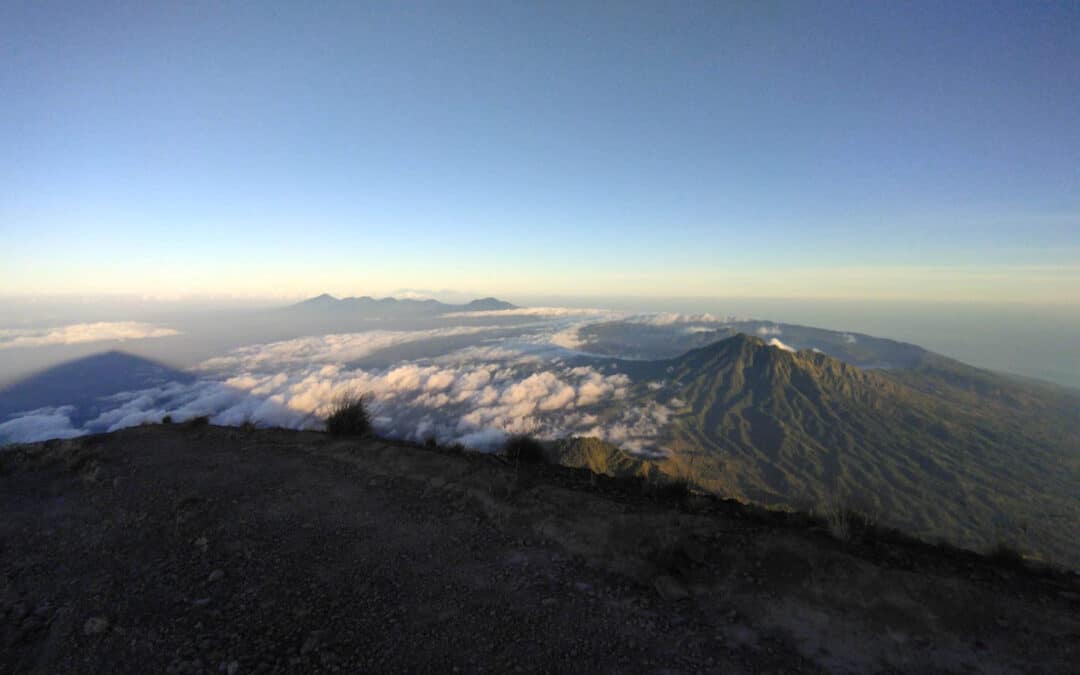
(926, 151)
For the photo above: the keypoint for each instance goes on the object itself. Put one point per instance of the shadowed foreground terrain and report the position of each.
(203, 549)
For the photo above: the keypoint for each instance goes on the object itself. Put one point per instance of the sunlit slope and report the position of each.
(908, 447)
(599, 457)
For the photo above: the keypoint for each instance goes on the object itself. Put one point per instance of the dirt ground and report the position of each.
(212, 550)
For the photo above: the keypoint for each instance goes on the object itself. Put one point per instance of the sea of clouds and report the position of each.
(79, 333)
(534, 383)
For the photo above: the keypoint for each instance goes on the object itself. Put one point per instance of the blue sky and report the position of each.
(863, 150)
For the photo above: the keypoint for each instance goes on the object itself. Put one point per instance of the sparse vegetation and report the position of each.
(599, 457)
(200, 421)
(626, 484)
(431, 442)
(1006, 555)
(167, 419)
(524, 449)
(844, 521)
(671, 489)
(349, 416)
(195, 495)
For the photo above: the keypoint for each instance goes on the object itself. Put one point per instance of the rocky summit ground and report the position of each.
(187, 549)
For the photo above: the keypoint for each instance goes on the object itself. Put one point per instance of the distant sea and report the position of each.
(1040, 341)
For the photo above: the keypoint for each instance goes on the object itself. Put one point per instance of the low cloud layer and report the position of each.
(532, 382)
(672, 318)
(546, 312)
(79, 333)
(40, 424)
(475, 395)
(334, 348)
(476, 403)
(463, 396)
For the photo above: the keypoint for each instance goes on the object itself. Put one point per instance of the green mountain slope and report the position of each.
(599, 457)
(939, 449)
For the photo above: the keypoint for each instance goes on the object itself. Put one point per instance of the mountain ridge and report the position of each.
(326, 302)
(940, 459)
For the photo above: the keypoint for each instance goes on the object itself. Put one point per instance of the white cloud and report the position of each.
(547, 312)
(475, 395)
(39, 425)
(328, 348)
(413, 294)
(671, 318)
(224, 403)
(79, 333)
(565, 323)
(769, 330)
(775, 342)
(485, 439)
(476, 401)
(545, 399)
(486, 354)
(569, 338)
(635, 429)
(595, 387)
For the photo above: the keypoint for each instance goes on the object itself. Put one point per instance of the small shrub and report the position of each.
(671, 489)
(844, 522)
(431, 442)
(628, 485)
(349, 416)
(200, 421)
(248, 426)
(1005, 555)
(455, 448)
(167, 419)
(524, 448)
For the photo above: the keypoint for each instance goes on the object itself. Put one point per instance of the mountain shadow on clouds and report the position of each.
(115, 389)
(83, 382)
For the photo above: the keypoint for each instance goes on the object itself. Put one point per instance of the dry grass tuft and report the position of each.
(349, 416)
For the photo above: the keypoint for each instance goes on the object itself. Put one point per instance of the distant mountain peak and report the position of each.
(323, 300)
(398, 306)
(739, 343)
(488, 304)
(746, 340)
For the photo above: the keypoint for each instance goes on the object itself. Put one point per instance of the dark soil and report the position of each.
(180, 549)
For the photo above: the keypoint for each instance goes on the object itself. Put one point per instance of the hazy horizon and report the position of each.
(1039, 341)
